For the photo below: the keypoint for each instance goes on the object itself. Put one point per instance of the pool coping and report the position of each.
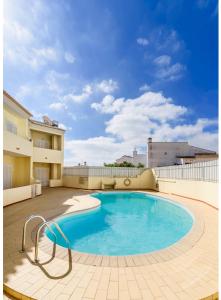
(190, 276)
(163, 255)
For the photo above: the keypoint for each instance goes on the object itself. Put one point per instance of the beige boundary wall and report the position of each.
(143, 181)
(201, 190)
(21, 193)
(17, 194)
(55, 182)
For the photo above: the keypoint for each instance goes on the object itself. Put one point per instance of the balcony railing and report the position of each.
(47, 155)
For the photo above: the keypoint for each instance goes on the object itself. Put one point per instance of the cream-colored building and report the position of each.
(160, 154)
(136, 159)
(33, 153)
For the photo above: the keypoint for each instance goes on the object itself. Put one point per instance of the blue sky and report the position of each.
(115, 72)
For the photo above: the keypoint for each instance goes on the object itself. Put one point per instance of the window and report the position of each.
(11, 127)
(42, 174)
(41, 143)
(165, 153)
(7, 176)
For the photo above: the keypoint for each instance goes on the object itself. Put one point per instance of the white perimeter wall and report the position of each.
(200, 190)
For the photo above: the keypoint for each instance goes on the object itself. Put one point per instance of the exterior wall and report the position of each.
(75, 182)
(200, 190)
(55, 155)
(21, 169)
(21, 123)
(197, 158)
(20, 134)
(16, 144)
(206, 157)
(143, 181)
(55, 182)
(47, 155)
(165, 154)
(17, 194)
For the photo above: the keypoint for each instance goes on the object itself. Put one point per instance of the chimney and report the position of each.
(135, 152)
(149, 140)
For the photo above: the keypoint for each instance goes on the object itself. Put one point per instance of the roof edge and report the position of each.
(43, 124)
(17, 103)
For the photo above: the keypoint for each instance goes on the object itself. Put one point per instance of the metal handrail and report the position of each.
(37, 237)
(47, 223)
(24, 229)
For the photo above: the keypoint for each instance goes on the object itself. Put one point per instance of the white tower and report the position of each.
(135, 152)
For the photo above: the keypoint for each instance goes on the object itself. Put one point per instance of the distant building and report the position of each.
(161, 154)
(135, 159)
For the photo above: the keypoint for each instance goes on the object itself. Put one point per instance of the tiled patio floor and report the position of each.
(187, 270)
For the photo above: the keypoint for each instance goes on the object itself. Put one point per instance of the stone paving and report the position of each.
(186, 270)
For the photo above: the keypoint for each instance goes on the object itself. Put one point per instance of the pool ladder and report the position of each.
(44, 223)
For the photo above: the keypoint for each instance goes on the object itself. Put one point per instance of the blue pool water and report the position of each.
(126, 223)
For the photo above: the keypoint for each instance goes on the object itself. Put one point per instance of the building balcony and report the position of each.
(17, 144)
(43, 155)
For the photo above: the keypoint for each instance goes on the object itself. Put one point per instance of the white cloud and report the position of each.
(55, 81)
(107, 86)
(171, 72)
(138, 117)
(165, 70)
(58, 106)
(64, 127)
(192, 132)
(133, 121)
(145, 88)
(95, 151)
(109, 104)
(69, 57)
(79, 98)
(47, 53)
(33, 57)
(151, 114)
(38, 116)
(17, 32)
(163, 60)
(23, 91)
(27, 40)
(143, 41)
(72, 116)
(164, 39)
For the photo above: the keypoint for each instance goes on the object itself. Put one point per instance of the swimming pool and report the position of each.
(126, 223)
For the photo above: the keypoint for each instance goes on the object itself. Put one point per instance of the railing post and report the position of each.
(24, 230)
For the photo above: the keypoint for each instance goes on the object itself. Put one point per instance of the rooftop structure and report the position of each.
(161, 154)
